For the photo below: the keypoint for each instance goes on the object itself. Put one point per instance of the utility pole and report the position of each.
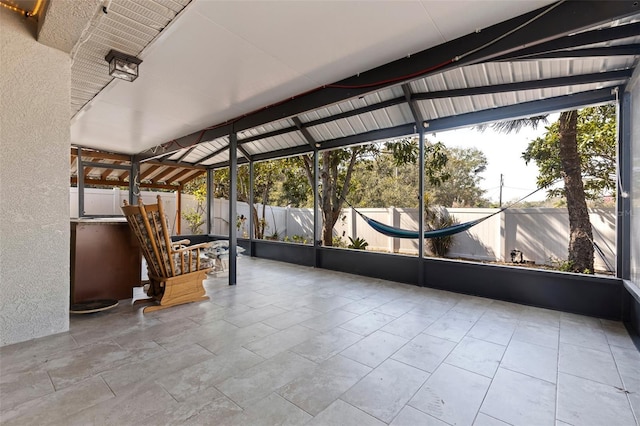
(501, 185)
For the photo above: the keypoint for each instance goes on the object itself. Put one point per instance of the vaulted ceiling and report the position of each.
(290, 77)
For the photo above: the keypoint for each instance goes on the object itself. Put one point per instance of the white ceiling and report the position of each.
(221, 59)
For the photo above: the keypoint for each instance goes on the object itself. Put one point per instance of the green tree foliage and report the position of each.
(195, 216)
(462, 188)
(266, 175)
(596, 142)
(581, 149)
(337, 172)
(384, 183)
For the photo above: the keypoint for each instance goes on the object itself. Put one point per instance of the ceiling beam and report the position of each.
(168, 148)
(244, 152)
(357, 111)
(525, 30)
(110, 182)
(577, 40)
(192, 177)
(160, 176)
(372, 136)
(305, 133)
(174, 164)
(107, 172)
(149, 171)
(100, 155)
(186, 154)
(98, 165)
(213, 154)
(415, 110)
(286, 152)
(527, 85)
(623, 50)
(267, 135)
(525, 109)
(176, 178)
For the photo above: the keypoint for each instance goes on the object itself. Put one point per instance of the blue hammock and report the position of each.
(392, 231)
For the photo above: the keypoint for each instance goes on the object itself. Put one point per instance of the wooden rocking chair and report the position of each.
(176, 270)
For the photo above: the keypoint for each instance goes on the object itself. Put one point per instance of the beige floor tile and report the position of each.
(192, 380)
(493, 330)
(518, 399)
(425, 352)
(16, 388)
(280, 341)
(340, 413)
(329, 320)
(537, 335)
(128, 409)
(589, 364)
(121, 378)
(408, 325)
(272, 410)
(318, 389)
(452, 395)
(52, 408)
(484, 420)
(262, 379)
(384, 391)
(452, 326)
(89, 360)
(375, 348)
(326, 345)
(254, 316)
(234, 337)
(367, 323)
(199, 409)
(478, 356)
(409, 416)
(532, 360)
(331, 337)
(291, 318)
(587, 403)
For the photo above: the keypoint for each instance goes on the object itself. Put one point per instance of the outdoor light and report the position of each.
(122, 65)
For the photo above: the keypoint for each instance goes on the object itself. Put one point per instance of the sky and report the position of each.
(504, 156)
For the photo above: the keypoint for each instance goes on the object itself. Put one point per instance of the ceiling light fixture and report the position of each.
(122, 65)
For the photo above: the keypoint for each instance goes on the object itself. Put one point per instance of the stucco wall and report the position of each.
(34, 183)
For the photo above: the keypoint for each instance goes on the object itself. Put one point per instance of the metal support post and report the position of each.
(251, 201)
(134, 182)
(233, 208)
(421, 207)
(209, 201)
(623, 227)
(80, 172)
(316, 205)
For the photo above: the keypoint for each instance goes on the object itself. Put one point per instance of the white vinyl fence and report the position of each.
(541, 234)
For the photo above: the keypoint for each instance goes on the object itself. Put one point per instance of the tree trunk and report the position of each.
(580, 232)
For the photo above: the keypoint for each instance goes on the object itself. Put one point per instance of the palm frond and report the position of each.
(514, 126)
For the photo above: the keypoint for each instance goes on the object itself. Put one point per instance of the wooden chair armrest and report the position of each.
(193, 247)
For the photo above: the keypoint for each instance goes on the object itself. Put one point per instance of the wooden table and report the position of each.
(105, 260)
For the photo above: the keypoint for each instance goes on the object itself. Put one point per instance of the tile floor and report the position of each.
(293, 345)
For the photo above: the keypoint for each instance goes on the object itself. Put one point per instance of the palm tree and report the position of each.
(580, 231)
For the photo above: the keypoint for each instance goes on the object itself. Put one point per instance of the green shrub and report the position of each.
(338, 242)
(438, 217)
(358, 244)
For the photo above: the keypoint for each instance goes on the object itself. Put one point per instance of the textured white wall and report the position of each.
(34, 183)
